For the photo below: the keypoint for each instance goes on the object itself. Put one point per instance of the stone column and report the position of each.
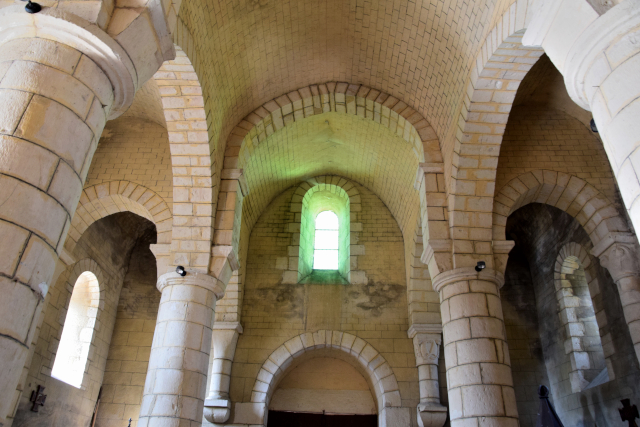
(426, 344)
(475, 346)
(55, 102)
(217, 405)
(618, 253)
(599, 57)
(177, 375)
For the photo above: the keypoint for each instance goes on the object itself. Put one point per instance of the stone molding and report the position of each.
(582, 57)
(467, 273)
(424, 328)
(236, 326)
(69, 29)
(193, 278)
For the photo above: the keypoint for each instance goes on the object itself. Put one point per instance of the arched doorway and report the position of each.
(323, 391)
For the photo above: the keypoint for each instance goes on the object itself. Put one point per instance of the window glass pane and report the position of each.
(326, 239)
(327, 220)
(325, 260)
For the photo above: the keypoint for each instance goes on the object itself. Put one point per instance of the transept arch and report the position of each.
(500, 66)
(101, 200)
(191, 157)
(369, 361)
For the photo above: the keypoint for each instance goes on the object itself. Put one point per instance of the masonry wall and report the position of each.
(540, 231)
(375, 311)
(543, 138)
(103, 249)
(128, 359)
(134, 150)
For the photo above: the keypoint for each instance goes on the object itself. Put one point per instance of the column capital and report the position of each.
(193, 278)
(87, 38)
(618, 253)
(466, 273)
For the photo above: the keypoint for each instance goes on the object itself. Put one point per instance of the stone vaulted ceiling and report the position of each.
(251, 51)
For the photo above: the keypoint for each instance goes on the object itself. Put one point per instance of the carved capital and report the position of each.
(427, 348)
(621, 259)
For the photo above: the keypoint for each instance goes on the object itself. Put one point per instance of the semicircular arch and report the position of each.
(369, 361)
(101, 200)
(594, 211)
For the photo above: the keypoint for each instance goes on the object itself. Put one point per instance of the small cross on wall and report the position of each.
(629, 412)
(37, 398)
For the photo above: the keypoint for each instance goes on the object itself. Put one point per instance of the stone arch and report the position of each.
(371, 363)
(597, 214)
(304, 191)
(499, 68)
(191, 158)
(101, 200)
(586, 355)
(340, 97)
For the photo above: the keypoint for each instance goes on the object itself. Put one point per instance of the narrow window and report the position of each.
(325, 254)
(77, 333)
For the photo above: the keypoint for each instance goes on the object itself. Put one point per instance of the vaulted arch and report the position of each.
(101, 200)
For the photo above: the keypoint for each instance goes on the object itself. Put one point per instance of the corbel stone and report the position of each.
(217, 405)
(224, 261)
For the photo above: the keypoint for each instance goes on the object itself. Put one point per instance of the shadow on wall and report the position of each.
(540, 232)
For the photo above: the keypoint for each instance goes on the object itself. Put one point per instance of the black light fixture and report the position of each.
(481, 265)
(594, 128)
(181, 271)
(32, 7)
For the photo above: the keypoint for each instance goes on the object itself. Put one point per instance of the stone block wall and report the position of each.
(543, 138)
(105, 246)
(375, 311)
(135, 150)
(128, 358)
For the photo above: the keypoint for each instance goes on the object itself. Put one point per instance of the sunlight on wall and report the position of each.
(73, 350)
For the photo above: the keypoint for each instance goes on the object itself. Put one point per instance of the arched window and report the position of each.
(325, 230)
(77, 333)
(325, 249)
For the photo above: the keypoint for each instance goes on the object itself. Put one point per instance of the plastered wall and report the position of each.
(105, 247)
(375, 311)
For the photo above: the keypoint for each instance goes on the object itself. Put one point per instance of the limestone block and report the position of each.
(394, 417)
(249, 413)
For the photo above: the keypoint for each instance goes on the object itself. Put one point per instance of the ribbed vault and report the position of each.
(332, 144)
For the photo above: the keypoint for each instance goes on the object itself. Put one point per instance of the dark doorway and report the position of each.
(300, 419)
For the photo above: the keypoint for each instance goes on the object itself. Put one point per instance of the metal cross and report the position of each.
(38, 398)
(629, 412)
